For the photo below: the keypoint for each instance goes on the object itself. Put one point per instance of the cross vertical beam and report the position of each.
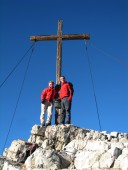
(59, 53)
(59, 37)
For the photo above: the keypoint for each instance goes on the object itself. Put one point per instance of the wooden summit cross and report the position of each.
(59, 37)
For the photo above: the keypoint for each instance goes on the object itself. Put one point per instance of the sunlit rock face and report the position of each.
(68, 147)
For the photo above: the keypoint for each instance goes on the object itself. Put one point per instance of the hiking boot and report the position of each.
(67, 122)
(48, 124)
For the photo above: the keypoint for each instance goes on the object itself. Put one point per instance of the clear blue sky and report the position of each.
(107, 23)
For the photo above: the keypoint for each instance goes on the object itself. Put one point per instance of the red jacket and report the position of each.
(65, 91)
(48, 94)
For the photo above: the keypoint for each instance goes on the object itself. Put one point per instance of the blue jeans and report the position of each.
(65, 111)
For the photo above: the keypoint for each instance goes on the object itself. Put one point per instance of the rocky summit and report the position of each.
(68, 147)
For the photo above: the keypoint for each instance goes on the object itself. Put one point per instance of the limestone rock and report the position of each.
(68, 147)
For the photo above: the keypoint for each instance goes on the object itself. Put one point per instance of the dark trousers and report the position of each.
(65, 111)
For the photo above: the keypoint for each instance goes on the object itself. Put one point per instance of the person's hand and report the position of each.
(70, 98)
(43, 101)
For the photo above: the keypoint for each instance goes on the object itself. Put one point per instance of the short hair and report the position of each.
(51, 81)
(63, 76)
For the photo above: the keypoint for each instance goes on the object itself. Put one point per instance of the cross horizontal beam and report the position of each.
(63, 37)
(59, 37)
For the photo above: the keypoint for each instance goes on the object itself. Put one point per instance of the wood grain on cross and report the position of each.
(59, 37)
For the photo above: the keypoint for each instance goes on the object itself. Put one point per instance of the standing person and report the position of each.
(47, 98)
(66, 94)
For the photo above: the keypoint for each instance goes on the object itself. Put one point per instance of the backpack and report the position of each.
(71, 86)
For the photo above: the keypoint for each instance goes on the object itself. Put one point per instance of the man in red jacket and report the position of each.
(47, 98)
(66, 94)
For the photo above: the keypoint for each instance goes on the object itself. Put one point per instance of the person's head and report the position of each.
(62, 79)
(51, 84)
